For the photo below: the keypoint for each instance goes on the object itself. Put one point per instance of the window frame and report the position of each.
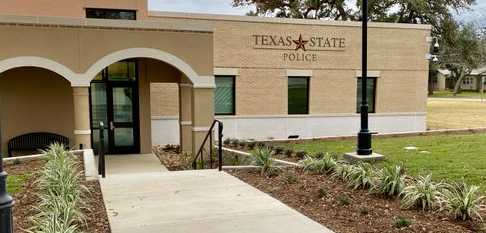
(233, 111)
(308, 79)
(375, 84)
(110, 10)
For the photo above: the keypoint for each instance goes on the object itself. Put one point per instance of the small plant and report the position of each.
(402, 222)
(344, 200)
(390, 181)
(227, 141)
(320, 155)
(321, 193)
(462, 201)
(343, 171)
(301, 154)
(262, 157)
(422, 193)
(278, 150)
(291, 179)
(289, 153)
(320, 166)
(261, 145)
(364, 211)
(362, 176)
(242, 144)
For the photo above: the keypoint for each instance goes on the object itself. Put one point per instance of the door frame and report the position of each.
(109, 98)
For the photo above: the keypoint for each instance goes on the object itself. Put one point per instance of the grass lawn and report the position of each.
(454, 114)
(463, 94)
(450, 157)
(15, 183)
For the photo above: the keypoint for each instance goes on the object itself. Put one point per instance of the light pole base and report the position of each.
(355, 158)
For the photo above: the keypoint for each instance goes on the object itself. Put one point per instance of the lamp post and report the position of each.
(6, 201)
(364, 135)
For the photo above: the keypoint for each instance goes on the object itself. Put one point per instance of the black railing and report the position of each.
(101, 151)
(199, 158)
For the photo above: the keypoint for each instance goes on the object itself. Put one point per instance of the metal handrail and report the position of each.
(101, 151)
(200, 153)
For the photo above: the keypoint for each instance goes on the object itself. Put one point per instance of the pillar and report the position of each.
(82, 127)
(185, 117)
(202, 115)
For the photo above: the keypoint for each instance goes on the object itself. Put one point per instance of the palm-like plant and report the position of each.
(343, 171)
(323, 165)
(262, 157)
(390, 180)
(462, 201)
(362, 175)
(422, 193)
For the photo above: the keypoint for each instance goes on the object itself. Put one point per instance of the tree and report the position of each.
(463, 52)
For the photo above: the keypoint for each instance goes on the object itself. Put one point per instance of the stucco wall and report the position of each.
(35, 100)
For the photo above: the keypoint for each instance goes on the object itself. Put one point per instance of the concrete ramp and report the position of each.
(205, 201)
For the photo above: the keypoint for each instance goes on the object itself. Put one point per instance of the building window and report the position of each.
(371, 91)
(96, 13)
(224, 96)
(298, 95)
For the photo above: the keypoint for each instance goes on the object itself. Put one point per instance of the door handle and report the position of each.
(112, 126)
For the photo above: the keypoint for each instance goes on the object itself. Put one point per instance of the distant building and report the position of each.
(472, 82)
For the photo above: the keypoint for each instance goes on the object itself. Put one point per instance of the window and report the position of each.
(224, 96)
(298, 95)
(371, 91)
(96, 13)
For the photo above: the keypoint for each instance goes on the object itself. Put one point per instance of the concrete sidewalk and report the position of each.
(136, 163)
(205, 201)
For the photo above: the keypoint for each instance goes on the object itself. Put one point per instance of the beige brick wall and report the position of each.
(164, 99)
(396, 52)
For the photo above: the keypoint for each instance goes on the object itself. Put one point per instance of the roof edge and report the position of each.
(253, 19)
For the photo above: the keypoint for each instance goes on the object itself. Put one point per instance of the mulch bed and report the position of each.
(330, 202)
(172, 159)
(26, 200)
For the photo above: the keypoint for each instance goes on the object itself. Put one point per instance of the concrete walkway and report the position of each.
(127, 164)
(204, 201)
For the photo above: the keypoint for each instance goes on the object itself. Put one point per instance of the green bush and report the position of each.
(323, 165)
(422, 193)
(61, 194)
(262, 157)
(390, 181)
(362, 175)
(462, 201)
(343, 171)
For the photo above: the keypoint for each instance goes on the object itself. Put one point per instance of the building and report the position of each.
(161, 77)
(472, 82)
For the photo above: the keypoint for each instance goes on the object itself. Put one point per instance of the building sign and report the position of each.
(298, 48)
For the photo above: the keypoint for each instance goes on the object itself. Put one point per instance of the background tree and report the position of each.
(463, 52)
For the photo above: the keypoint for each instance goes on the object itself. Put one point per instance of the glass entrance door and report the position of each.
(114, 101)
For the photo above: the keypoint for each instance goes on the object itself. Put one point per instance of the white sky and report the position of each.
(224, 7)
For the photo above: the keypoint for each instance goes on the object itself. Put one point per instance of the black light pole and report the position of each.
(6, 201)
(364, 135)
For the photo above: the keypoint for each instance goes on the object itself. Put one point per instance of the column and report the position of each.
(202, 115)
(185, 116)
(82, 128)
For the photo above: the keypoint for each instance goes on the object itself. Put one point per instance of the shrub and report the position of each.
(262, 157)
(301, 154)
(279, 150)
(320, 155)
(343, 171)
(61, 193)
(227, 141)
(402, 222)
(462, 201)
(261, 145)
(289, 153)
(320, 166)
(422, 193)
(362, 176)
(251, 145)
(235, 142)
(390, 181)
(242, 144)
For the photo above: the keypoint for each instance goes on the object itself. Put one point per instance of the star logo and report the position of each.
(300, 43)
